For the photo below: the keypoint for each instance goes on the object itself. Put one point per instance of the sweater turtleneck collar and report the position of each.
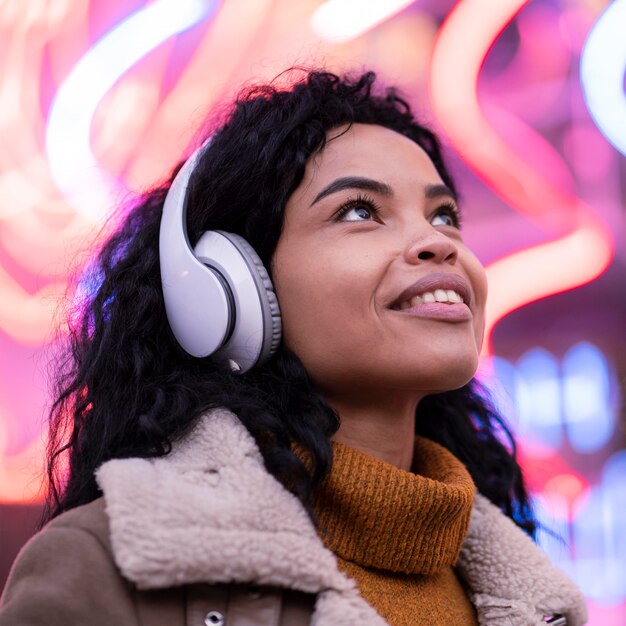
(376, 515)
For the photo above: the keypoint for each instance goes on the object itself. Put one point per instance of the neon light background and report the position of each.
(99, 100)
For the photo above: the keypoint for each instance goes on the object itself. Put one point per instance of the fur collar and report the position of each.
(210, 512)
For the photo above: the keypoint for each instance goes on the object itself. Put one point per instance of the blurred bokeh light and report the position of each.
(99, 100)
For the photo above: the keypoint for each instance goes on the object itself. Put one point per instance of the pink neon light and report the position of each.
(20, 475)
(583, 247)
(35, 216)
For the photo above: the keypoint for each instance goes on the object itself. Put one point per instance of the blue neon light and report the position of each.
(538, 395)
(602, 65)
(588, 415)
(546, 401)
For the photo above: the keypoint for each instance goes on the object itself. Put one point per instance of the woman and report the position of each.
(221, 474)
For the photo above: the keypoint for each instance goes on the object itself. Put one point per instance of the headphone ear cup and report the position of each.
(256, 331)
(272, 326)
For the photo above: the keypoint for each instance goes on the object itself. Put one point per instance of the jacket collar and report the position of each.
(210, 512)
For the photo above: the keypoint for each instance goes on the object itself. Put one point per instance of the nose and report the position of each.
(432, 246)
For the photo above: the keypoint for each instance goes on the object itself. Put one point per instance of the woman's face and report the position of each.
(371, 268)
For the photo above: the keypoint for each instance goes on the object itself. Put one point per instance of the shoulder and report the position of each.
(67, 571)
(90, 519)
(84, 528)
(75, 534)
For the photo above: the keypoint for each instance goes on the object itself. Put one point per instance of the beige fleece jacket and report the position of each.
(209, 512)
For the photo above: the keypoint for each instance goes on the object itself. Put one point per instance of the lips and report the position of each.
(432, 283)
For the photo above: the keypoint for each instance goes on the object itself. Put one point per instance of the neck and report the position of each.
(383, 428)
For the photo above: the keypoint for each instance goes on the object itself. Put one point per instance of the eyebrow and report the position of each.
(436, 191)
(369, 184)
(354, 182)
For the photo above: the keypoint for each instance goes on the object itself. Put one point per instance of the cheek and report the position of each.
(324, 296)
(478, 276)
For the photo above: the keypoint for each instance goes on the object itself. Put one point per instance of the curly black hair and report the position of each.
(125, 388)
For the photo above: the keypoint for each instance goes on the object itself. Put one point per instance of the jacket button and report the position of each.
(214, 618)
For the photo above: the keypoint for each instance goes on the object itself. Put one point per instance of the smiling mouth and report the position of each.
(447, 296)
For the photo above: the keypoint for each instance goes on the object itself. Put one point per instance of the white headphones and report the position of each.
(219, 299)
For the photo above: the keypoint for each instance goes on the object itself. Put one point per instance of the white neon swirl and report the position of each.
(602, 65)
(87, 187)
(343, 20)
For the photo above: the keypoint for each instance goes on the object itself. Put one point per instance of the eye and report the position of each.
(359, 209)
(447, 215)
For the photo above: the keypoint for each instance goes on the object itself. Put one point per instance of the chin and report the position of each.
(451, 385)
(447, 376)
(432, 371)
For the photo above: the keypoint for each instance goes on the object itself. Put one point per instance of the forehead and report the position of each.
(371, 151)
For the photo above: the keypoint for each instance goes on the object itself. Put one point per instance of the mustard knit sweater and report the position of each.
(398, 534)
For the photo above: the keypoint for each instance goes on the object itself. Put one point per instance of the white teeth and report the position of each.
(439, 295)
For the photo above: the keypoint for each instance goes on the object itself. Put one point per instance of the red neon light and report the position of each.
(583, 247)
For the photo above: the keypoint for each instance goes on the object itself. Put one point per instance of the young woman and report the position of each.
(312, 451)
